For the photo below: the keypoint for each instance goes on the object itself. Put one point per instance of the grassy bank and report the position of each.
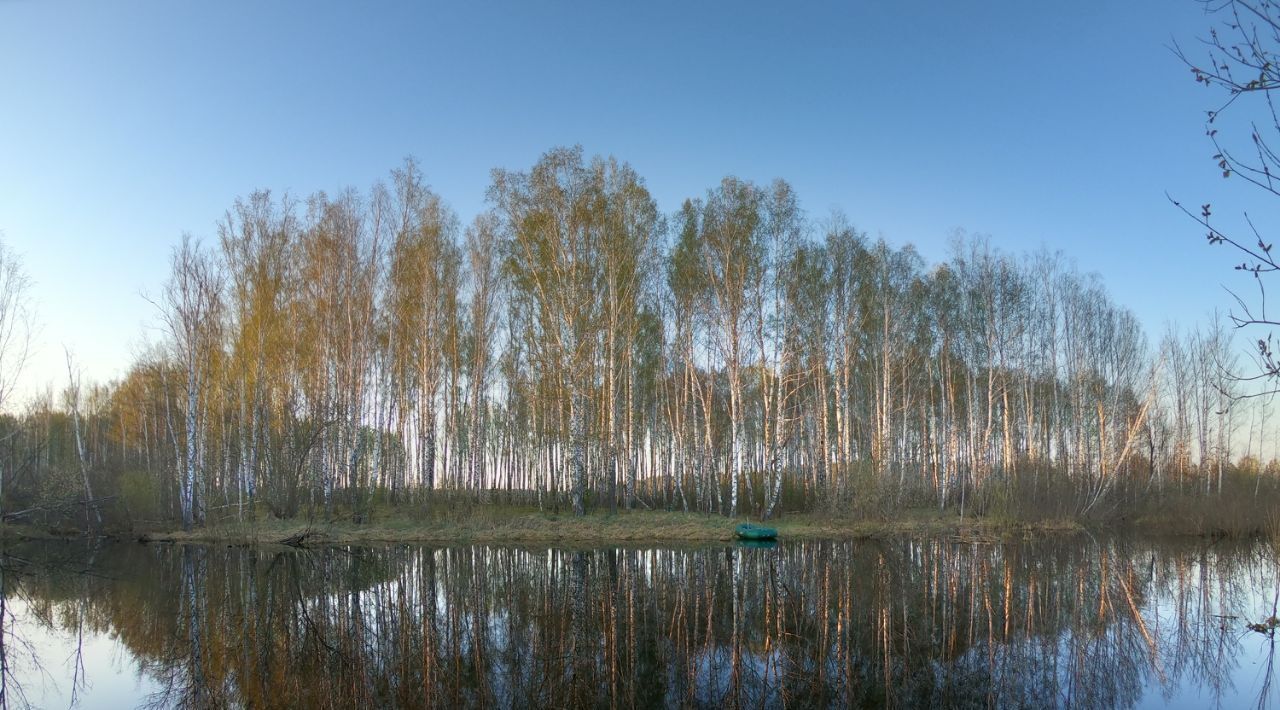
(461, 519)
(1242, 505)
(516, 525)
(465, 523)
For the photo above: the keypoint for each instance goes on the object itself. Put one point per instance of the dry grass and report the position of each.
(486, 524)
(1246, 506)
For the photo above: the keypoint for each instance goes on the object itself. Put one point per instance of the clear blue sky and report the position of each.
(124, 124)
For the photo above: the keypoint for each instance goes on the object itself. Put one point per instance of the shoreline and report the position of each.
(599, 528)
(495, 525)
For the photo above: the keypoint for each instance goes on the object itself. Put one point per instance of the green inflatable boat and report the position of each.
(747, 531)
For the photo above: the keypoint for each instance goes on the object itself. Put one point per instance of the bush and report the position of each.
(141, 496)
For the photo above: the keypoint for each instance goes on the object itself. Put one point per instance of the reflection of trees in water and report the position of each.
(825, 624)
(15, 650)
(24, 585)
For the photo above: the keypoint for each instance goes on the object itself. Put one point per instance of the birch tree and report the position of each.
(422, 280)
(483, 271)
(629, 240)
(368, 345)
(552, 223)
(192, 309)
(16, 326)
(731, 240)
(257, 237)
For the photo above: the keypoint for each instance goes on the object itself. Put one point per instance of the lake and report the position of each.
(1077, 621)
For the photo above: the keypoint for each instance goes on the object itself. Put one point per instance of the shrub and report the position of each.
(140, 494)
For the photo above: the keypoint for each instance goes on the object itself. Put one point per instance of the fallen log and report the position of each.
(57, 506)
(298, 539)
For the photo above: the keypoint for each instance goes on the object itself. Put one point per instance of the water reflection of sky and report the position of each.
(44, 662)
(1081, 624)
(1202, 608)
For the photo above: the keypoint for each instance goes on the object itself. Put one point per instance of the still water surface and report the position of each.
(1076, 622)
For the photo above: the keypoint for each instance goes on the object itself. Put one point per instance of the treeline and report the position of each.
(574, 346)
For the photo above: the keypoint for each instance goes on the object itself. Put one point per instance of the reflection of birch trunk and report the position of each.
(612, 623)
(736, 591)
(430, 671)
(581, 652)
(193, 581)
(479, 623)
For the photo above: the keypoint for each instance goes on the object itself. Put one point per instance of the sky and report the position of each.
(124, 125)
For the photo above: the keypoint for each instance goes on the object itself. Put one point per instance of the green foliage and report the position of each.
(140, 495)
